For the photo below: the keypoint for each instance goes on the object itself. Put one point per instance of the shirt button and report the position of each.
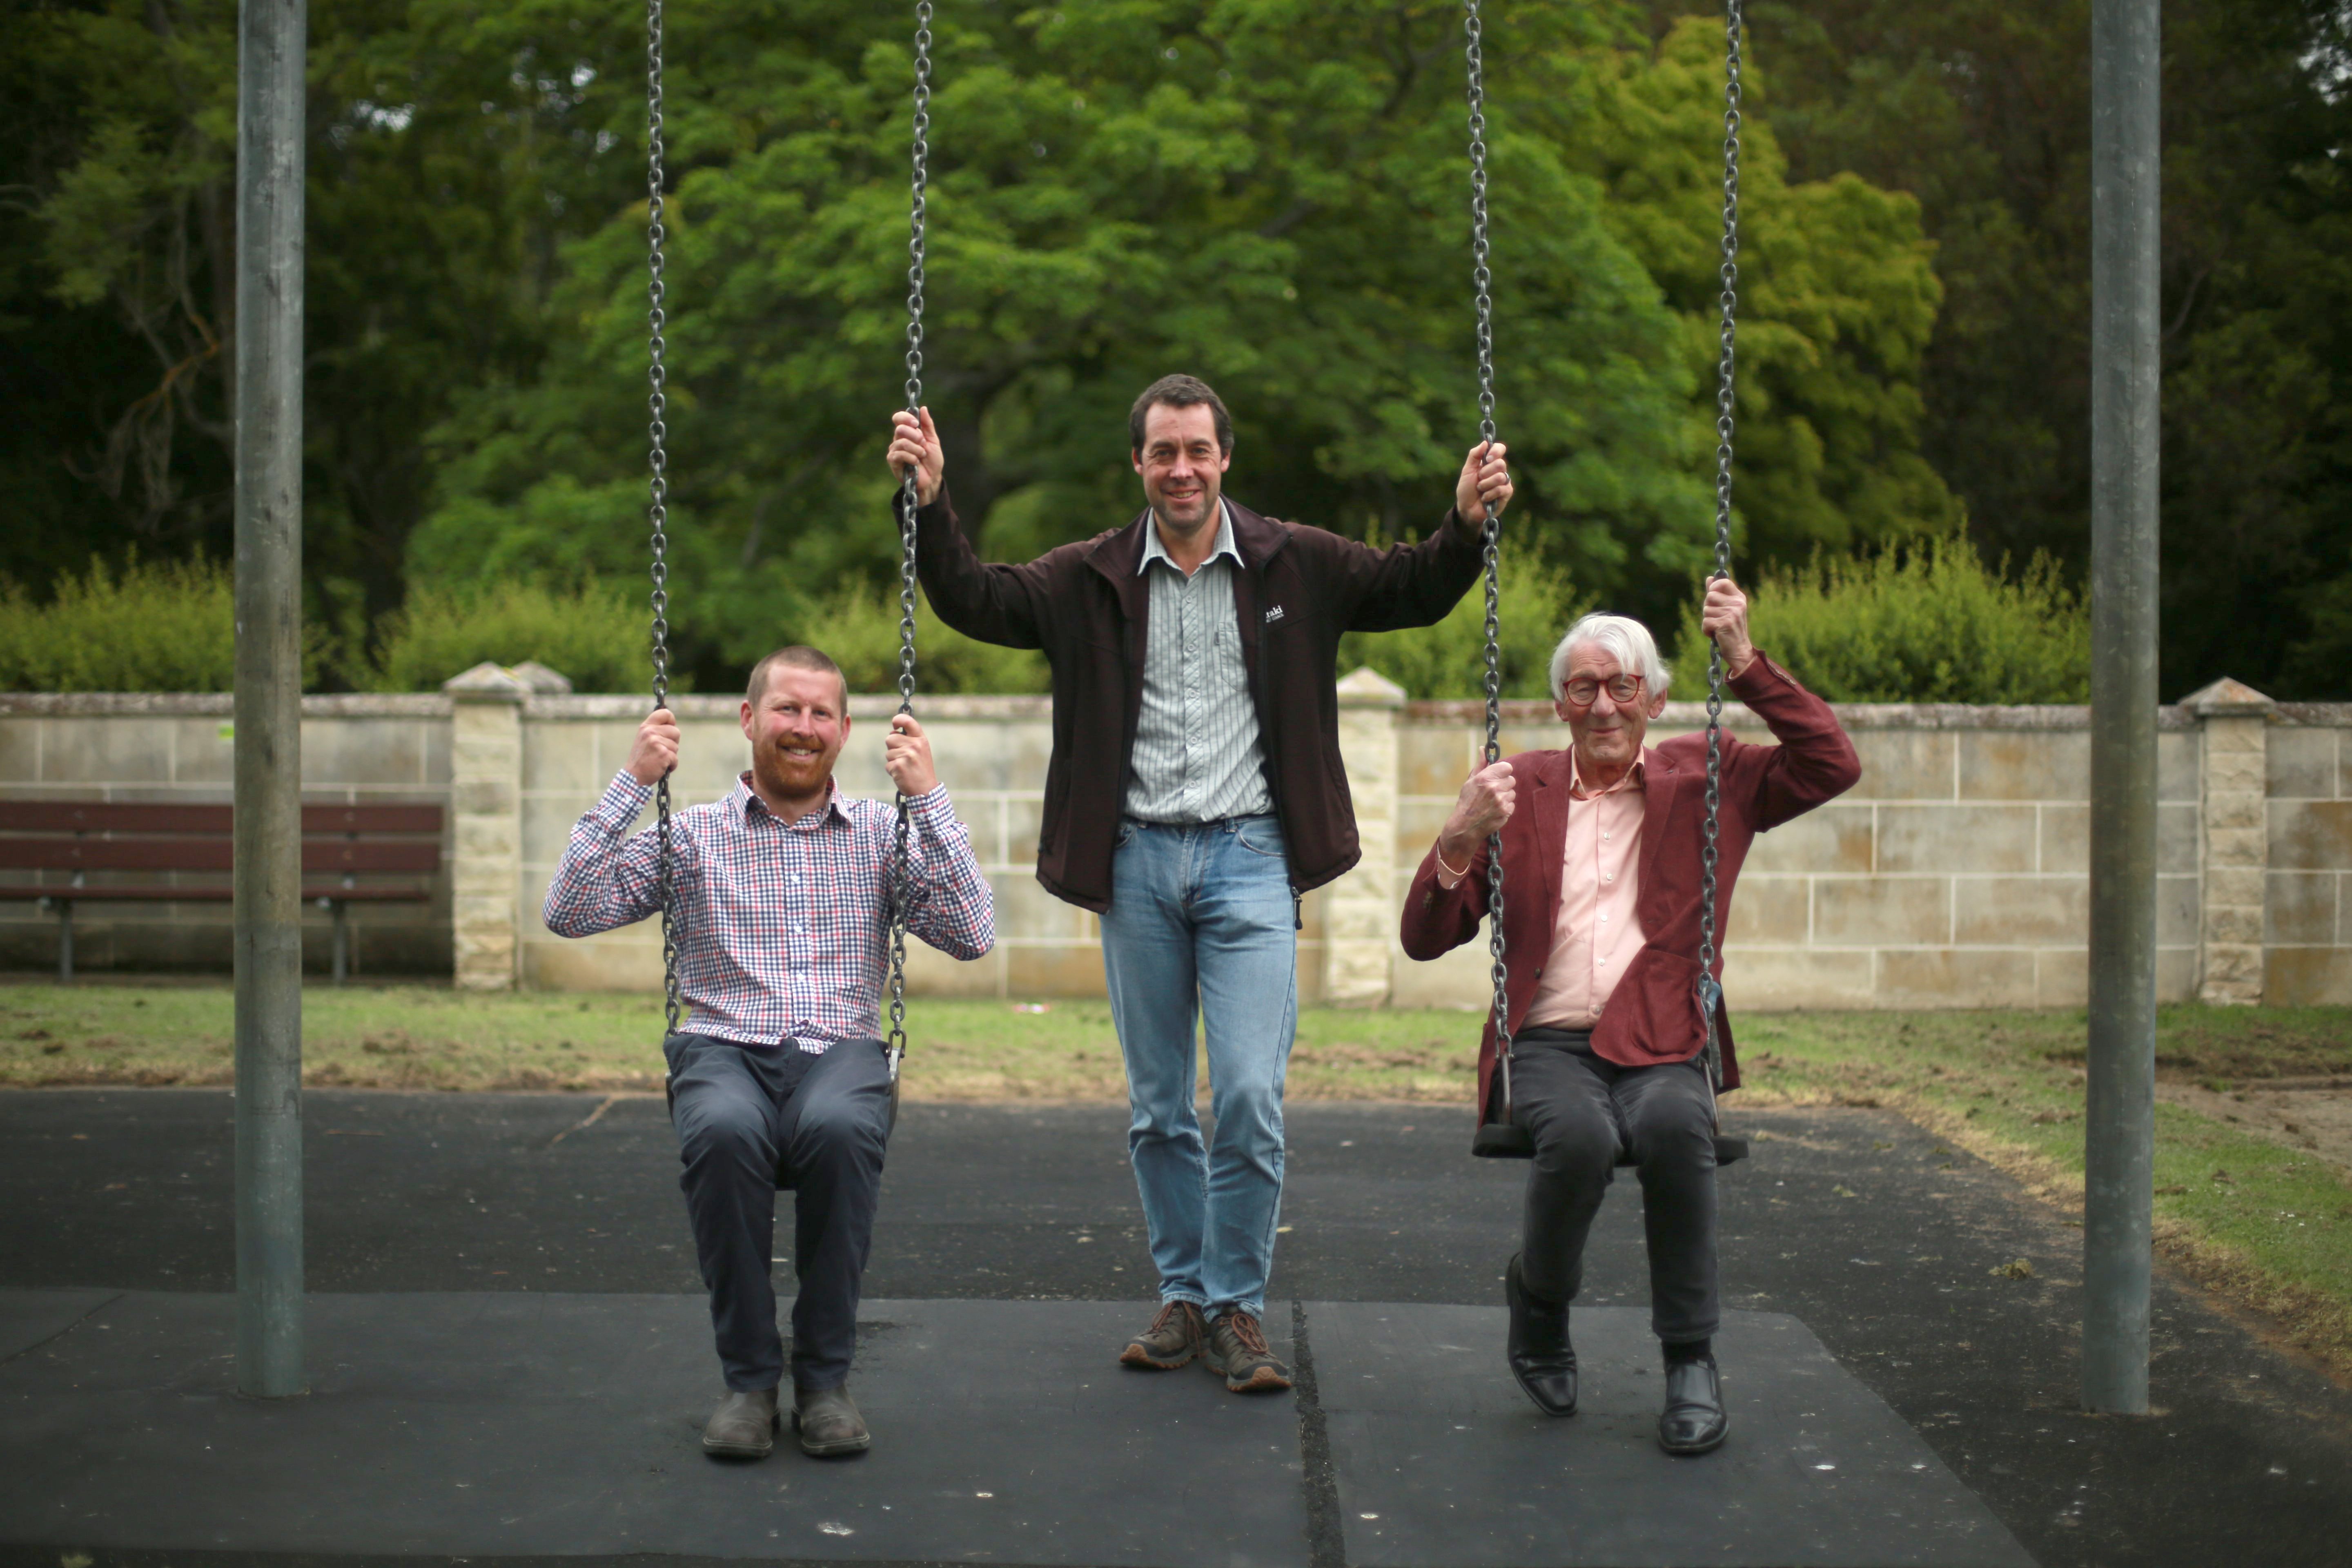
(1604, 915)
(1608, 876)
(1604, 836)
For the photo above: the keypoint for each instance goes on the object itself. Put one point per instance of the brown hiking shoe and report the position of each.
(1237, 1347)
(1175, 1337)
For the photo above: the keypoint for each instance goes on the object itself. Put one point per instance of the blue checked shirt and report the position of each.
(786, 924)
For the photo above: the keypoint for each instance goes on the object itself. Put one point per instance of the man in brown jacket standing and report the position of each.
(1196, 792)
(1601, 890)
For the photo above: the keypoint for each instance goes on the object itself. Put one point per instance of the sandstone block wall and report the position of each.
(1954, 875)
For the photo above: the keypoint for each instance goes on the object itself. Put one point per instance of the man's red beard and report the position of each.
(775, 769)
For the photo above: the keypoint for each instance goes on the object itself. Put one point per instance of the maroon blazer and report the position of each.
(1653, 1013)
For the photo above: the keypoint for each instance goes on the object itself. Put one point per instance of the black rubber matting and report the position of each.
(524, 1424)
(1442, 1461)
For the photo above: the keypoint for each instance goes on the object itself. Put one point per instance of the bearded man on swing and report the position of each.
(782, 891)
(1602, 889)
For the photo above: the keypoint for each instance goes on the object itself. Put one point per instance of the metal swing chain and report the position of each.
(1482, 279)
(658, 511)
(1709, 990)
(902, 874)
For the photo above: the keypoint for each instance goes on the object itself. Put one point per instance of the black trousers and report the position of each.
(1581, 1111)
(740, 1112)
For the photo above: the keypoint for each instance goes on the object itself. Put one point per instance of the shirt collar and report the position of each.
(1636, 777)
(746, 800)
(1154, 551)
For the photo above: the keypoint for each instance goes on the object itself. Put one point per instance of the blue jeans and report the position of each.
(1200, 926)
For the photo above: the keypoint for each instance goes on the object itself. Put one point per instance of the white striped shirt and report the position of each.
(1197, 757)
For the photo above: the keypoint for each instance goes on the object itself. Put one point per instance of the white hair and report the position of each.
(1623, 637)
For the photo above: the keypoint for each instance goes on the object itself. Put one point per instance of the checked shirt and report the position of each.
(786, 924)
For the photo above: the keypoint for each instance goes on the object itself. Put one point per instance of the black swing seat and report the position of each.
(1510, 1141)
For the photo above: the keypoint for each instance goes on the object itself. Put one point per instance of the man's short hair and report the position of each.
(1626, 639)
(1179, 392)
(794, 658)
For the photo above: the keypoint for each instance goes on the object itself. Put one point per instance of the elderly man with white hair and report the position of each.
(1600, 844)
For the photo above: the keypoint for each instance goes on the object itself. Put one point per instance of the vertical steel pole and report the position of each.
(271, 43)
(2120, 1124)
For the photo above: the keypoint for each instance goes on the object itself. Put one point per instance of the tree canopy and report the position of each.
(1271, 193)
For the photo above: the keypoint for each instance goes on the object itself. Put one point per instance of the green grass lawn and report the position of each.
(2270, 1225)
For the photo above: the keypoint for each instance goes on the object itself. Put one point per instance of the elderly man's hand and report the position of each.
(1485, 804)
(1724, 617)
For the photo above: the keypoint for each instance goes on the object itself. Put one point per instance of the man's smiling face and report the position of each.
(1181, 465)
(796, 730)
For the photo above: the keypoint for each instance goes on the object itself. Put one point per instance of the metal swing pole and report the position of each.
(2120, 1121)
(272, 37)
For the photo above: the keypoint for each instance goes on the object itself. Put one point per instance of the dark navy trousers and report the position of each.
(1583, 1109)
(742, 1112)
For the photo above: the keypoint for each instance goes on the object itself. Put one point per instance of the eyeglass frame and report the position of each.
(1598, 687)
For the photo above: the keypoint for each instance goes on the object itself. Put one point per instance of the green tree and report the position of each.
(1267, 192)
(1981, 108)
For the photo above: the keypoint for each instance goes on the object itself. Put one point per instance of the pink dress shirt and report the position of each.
(1598, 930)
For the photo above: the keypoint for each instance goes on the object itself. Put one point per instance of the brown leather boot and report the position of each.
(829, 1422)
(744, 1427)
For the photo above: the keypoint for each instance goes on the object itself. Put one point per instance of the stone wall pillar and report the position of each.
(2233, 813)
(486, 821)
(1360, 909)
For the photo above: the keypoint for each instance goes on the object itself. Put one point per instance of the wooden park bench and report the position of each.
(86, 851)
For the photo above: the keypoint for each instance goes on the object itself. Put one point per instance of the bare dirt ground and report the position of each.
(2310, 1114)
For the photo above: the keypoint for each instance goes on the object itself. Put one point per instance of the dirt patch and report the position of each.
(2312, 1116)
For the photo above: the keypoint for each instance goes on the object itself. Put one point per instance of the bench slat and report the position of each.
(167, 817)
(17, 853)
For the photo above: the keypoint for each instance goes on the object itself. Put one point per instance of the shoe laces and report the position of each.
(1167, 1311)
(1244, 1327)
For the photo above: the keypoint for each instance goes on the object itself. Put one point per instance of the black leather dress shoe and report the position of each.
(1541, 1356)
(1694, 1422)
(829, 1422)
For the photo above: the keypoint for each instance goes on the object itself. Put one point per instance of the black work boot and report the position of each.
(1237, 1347)
(1175, 1338)
(829, 1422)
(1541, 1356)
(1694, 1421)
(744, 1427)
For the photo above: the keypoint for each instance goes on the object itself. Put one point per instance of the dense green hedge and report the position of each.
(600, 636)
(1449, 659)
(1932, 624)
(151, 627)
(1927, 624)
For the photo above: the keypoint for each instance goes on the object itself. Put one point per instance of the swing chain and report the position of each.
(658, 511)
(1482, 280)
(1709, 989)
(901, 873)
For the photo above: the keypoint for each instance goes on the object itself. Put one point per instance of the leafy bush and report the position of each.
(859, 627)
(1449, 659)
(1931, 623)
(151, 627)
(597, 633)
